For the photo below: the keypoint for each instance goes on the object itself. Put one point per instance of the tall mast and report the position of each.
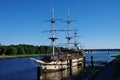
(76, 43)
(53, 38)
(68, 30)
(75, 36)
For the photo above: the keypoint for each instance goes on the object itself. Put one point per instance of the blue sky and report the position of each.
(21, 21)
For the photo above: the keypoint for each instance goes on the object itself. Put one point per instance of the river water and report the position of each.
(25, 69)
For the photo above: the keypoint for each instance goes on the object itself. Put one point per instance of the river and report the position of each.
(25, 69)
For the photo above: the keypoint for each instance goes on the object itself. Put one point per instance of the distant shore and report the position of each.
(19, 56)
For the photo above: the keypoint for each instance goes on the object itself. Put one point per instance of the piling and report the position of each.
(84, 62)
(92, 62)
(70, 60)
(61, 65)
(38, 72)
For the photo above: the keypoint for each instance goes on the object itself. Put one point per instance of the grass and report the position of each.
(20, 56)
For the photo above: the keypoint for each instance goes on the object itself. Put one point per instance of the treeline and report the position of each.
(24, 49)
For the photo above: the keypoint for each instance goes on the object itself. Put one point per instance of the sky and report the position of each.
(98, 22)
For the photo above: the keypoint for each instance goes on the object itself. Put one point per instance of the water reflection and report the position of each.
(58, 75)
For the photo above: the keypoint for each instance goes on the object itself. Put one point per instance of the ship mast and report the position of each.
(75, 36)
(53, 38)
(68, 21)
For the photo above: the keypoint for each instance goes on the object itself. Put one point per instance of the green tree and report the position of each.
(20, 50)
(14, 50)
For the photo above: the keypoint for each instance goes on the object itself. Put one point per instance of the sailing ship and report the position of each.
(65, 59)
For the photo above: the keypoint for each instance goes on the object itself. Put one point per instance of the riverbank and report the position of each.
(20, 56)
(110, 71)
(116, 74)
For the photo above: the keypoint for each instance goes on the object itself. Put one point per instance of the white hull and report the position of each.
(56, 65)
(59, 65)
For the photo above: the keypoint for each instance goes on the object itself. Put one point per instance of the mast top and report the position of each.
(52, 19)
(68, 16)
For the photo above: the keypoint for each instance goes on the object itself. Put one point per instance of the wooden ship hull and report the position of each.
(60, 62)
(59, 65)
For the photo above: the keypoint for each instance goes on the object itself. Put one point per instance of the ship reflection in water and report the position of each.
(58, 75)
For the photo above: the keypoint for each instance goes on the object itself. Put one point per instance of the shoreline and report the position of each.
(109, 71)
(20, 56)
(91, 73)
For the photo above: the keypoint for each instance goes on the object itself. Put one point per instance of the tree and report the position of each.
(14, 50)
(20, 50)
